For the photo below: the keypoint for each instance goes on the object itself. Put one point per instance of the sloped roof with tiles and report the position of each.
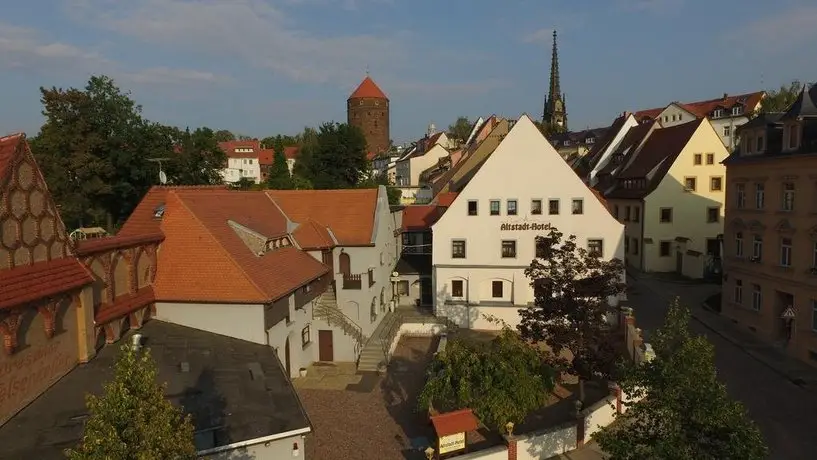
(705, 108)
(33, 280)
(144, 220)
(204, 258)
(312, 235)
(349, 214)
(368, 89)
(634, 137)
(421, 217)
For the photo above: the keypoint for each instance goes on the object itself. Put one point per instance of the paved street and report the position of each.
(785, 412)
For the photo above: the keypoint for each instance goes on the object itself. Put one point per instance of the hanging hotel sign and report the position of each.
(535, 226)
(452, 443)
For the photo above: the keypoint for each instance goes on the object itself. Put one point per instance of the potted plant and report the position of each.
(302, 372)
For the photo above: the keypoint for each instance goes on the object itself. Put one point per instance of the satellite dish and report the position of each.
(162, 177)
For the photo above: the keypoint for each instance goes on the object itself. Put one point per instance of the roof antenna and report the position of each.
(367, 70)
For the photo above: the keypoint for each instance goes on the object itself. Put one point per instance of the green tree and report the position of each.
(223, 135)
(132, 419)
(286, 140)
(244, 183)
(373, 180)
(573, 288)
(684, 411)
(549, 130)
(198, 159)
(93, 148)
(279, 177)
(335, 159)
(501, 381)
(781, 99)
(460, 129)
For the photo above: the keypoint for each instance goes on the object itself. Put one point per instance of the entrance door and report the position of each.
(326, 347)
(713, 247)
(287, 359)
(426, 294)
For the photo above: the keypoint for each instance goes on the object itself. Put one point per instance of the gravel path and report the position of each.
(375, 425)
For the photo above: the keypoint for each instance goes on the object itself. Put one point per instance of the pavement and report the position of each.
(777, 391)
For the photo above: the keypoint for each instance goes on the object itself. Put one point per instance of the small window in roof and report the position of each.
(159, 211)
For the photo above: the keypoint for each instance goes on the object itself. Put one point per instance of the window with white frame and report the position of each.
(727, 131)
(785, 252)
(511, 207)
(757, 247)
(788, 196)
(757, 297)
(760, 196)
(737, 110)
(739, 244)
(717, 113)
(738, 296)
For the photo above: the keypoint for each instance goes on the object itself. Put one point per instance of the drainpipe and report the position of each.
(643, 224)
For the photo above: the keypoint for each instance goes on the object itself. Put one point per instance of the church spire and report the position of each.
(555, 113)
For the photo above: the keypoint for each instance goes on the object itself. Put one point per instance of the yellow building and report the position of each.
(669, 193)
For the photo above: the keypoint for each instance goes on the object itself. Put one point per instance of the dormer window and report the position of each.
(159, 211)
(566, 143)
(590, 140)
(718, 113)
(737, 110)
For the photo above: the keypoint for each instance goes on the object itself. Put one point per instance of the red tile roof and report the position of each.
(312, 235)
(85, 247)
(8, 148)
(124, 305)
(142, 220)
(230, 147)
(445, 199)
(421, 217)
(291, 152)
(460, 421)
(28, 283)
(705, 108)
(203, 258)
(368, 89)
(349, 214)
(266, 157)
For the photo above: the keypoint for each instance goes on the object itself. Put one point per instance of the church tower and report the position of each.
(555, 113)
(368, 109)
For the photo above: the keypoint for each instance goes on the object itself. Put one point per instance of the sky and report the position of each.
(264, 67)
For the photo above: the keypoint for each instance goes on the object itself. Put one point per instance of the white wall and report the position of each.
(300, 355)
(523, 167)
(272, 450)
(605, 156)
(673, 115)
(237, 168)
(242, 321)
(547, 443)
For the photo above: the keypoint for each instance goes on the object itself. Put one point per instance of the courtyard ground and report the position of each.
(366, 416)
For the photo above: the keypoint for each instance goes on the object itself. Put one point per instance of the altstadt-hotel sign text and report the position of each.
(523, 227)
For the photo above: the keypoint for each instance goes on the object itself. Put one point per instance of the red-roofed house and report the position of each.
(725, 114)
(243, 160)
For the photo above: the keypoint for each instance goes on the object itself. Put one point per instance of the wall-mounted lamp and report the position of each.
(429, 452)
(295, 451)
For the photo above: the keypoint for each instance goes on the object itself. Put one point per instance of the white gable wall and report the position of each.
(673, 115)
(523, 167)
(630, 122)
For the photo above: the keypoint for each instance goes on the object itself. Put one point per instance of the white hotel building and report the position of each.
(484, 241)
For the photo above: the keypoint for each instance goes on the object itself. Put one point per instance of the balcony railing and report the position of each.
(417, 249)
(352, 281)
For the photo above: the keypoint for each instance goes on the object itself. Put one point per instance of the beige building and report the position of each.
(668, 190)
(770, 238)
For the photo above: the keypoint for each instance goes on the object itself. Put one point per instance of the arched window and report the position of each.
(345, 263)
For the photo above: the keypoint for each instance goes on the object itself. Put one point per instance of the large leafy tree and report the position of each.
(223, 135)
(336, 158)
(573, 288)
(93, 149)
(501, 381)
(684, 411)
(132, 420)
(780, 99)
(373, 180)
(460, 129)
(197, 158)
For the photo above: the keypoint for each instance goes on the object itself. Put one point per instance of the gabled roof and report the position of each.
(312, 235)
(459, 175)
(349, 214)
(705, 108)
(230, 148)
(664, 144)
(421, 217)
(594, 155)
(368, 89)
(203, 258)
(143, 220)
(634, 137)
(8, 149)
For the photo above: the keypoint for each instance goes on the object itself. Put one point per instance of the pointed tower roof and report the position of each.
(806, 104)
(368, 88)
(555, 87)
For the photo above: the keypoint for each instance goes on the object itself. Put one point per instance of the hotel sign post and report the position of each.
(451, 429)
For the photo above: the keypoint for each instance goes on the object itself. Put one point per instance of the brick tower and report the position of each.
(368, 109)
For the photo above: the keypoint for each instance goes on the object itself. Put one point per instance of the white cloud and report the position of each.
(774, 33)
(250, 30)
(26, 49)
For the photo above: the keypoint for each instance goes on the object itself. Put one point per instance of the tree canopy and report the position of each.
(94, 150)
(572, 288)
(781, 99)
(278, 176)
(502, 381)
(336, 158)
(460, 129)
(132, 419)
(684, 411)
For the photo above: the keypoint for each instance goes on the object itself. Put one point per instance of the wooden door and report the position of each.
(345, 263)
(426, 293)
(287, 359)
(326, 347)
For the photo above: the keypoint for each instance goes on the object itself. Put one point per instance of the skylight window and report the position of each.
(159, 211)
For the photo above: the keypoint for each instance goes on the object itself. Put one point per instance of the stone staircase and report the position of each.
(326, 308)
